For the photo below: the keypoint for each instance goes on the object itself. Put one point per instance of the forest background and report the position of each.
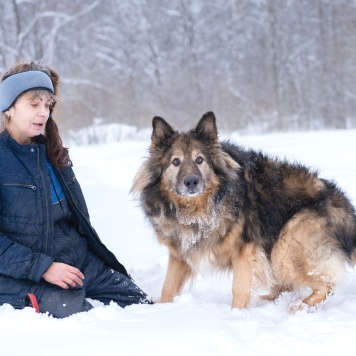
(260, 65)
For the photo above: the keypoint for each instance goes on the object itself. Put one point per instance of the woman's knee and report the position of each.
(61, 303)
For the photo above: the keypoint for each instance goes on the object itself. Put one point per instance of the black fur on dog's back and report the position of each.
(269, 202)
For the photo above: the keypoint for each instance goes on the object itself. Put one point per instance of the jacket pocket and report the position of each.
(19, 204)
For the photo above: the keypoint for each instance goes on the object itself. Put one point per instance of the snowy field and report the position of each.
(200, 321)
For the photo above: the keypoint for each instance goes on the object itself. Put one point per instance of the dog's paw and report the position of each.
(155, 300)
(293, 308)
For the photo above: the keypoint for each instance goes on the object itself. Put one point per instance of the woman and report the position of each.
(50, 256)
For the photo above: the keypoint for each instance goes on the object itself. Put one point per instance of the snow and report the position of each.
(200, 321)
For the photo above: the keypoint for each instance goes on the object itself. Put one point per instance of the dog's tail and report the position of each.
(345, 233)
(140, 181)
(354, 249)
(353, 255)
(344, 228)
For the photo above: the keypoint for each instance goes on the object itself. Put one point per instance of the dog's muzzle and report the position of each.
(191, 186)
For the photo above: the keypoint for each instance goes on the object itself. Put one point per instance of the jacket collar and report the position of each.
(24, 149)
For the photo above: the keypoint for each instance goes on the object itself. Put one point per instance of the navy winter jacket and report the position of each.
(26, 224)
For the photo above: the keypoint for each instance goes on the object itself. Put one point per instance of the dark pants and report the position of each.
(101, 283)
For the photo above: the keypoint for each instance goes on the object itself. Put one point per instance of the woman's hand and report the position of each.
(63, 275)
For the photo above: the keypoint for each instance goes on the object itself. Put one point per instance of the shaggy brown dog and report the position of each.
(275, 224)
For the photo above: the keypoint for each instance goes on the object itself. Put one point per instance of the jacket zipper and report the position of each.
(46, 199)
(31, 186)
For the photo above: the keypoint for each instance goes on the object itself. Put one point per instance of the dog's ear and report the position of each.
(162, 131)
(206, 128)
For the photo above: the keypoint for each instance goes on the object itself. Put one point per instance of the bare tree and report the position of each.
(261, 65)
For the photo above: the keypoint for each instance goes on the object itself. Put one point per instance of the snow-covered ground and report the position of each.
(200, 321)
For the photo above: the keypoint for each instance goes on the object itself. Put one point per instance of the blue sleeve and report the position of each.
(19, 261)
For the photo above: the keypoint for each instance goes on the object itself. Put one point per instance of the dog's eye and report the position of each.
(176, 162)
(199, 160)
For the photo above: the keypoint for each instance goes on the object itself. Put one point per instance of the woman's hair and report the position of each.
(57, 154)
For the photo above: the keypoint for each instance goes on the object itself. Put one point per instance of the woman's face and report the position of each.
(28, 117)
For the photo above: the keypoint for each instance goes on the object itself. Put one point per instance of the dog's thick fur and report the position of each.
(275, 224)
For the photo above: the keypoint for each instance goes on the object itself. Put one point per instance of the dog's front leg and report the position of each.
(177, 273)
(242, 265)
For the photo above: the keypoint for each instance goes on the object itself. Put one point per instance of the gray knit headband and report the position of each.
(15, 85)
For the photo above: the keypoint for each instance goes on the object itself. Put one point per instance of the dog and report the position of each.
(276, 225)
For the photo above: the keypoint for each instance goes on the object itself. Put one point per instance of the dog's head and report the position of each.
(187, 164)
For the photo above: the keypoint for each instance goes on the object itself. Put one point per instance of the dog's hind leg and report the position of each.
(177, 274)
(306, 255)
(319, 294)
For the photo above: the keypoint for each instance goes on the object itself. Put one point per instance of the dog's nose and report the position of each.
(191, 181)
